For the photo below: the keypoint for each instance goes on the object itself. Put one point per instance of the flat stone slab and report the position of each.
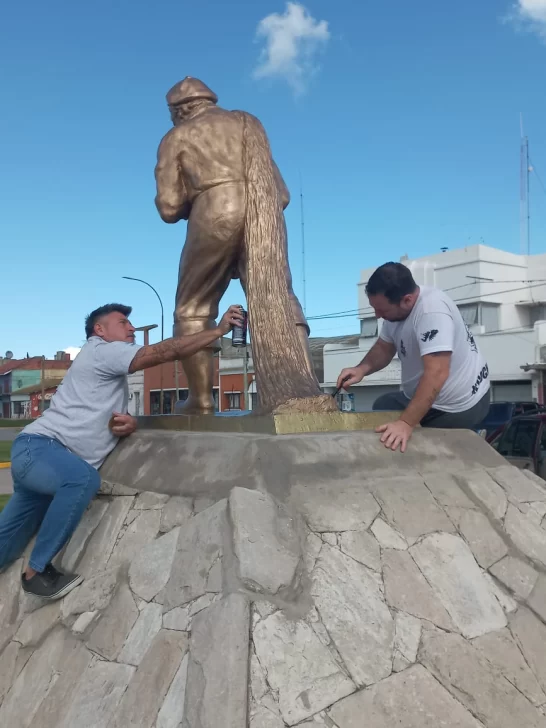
(142, 635)
(355, 615)
(347, 508)
(200, 545)
(266, 542)
(362, 547)
(151, 567)
(484, 541)
(486, 490)
(477, 684)
(299, 667)
(517, 486)
(411, 699)
(516, 575)
(218, 666)
(449, 567)
(526, 535)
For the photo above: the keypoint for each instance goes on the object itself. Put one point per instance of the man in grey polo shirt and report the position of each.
(55, 460)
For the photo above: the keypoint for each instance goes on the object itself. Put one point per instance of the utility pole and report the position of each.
(245, 377)
(303, 249)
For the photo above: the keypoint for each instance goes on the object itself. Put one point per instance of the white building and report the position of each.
(136, 393)
(502, 297)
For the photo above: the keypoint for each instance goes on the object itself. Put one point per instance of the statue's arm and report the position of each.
(171, 199)
(283, 189)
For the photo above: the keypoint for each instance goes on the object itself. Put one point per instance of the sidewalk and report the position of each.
(5, 481)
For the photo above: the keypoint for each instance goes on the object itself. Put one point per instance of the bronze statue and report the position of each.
(215, 170)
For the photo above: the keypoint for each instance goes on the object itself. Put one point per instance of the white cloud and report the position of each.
(292, 42)
(73, 351)
(531, 14)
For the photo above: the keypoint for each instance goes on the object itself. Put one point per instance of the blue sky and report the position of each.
(402, 118)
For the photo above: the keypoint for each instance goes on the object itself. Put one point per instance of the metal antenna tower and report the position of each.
(524, 210)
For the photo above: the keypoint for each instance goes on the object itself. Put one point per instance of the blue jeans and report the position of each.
(52, 487)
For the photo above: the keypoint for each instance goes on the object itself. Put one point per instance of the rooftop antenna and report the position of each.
(303, 249)
(524, 211)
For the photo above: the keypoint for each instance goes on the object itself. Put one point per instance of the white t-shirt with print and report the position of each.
(435, 324)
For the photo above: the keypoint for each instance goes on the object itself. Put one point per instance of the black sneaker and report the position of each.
(50, 584)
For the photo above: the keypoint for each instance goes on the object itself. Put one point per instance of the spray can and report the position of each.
(239, 332)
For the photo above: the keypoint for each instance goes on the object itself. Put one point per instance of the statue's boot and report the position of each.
(200, 374)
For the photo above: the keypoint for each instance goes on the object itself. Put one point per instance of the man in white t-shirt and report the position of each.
(55, 460)
(445, 380)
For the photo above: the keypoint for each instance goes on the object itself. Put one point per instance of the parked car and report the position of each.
(523, 442)
(500, 413)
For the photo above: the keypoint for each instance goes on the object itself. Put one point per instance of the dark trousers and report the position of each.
(467, 420)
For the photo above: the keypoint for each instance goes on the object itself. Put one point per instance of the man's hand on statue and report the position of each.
(123, 425)
(232, 317)
(349, 376)
(395, 434)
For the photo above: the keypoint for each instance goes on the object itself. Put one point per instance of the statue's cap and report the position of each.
(190, 89)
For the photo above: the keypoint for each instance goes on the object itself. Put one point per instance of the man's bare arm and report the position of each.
(171, 199)
(380, 355)
(436, 372)
(184, 346)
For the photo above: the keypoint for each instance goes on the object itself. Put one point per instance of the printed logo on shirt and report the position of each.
(471, 341)
(402, 348)
(429, 335)
(481, 377)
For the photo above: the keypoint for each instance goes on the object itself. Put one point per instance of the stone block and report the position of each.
(299, 667)
(362, 547)
(171, 714)
(35, 680)
(108, 637)
(98, 695)
(142, 635)
(8, 663)
(537, 598)
(503, 652)
(411, 699)
(476, 683)
(353, 611)
(406, 589)
(262, 717)
(518, 576)
(102, 542)
(151, 567)
(56, 704)
(265, 542)
(138, 534)
(486, 490)
(85, 529)
(109, 488)
(36, 625)
(178, 618)
(449, 567)
(517, 486)
(10, 586)
(200, 545)
(83, 622)
(530, 634)
(342, 508)
(93, 595)
(387, 537)
(409, 506)
(447, 491)
(526, 535)
(485, 543)
(176, 511)
(147, 691)
(504, 599)
(407, 635)
(150, 501)
(313, 545)
(218, 666)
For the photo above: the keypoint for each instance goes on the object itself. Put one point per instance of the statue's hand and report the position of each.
(232, 317)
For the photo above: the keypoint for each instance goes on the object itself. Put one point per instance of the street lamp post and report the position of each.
(129, 278)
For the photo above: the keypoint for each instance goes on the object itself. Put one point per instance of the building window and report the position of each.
(254, 397)
(368, 328)
(234, 400)
(537, 313)
(469, 312)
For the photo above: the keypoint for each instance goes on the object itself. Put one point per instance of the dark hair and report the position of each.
(98, 313)
(392, 280)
